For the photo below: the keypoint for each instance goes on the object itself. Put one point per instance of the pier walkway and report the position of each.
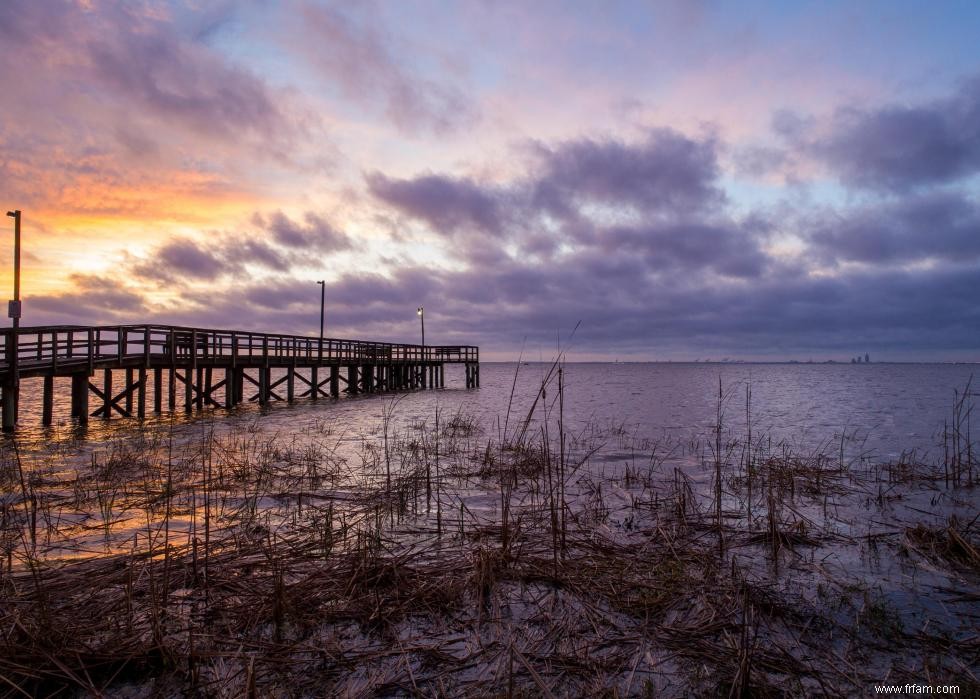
(213, 367)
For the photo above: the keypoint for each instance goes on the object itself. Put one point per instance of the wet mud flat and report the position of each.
(439, 556)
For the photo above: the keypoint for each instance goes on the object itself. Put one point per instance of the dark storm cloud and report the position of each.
(758, 161)
(935, 225)
(932, 309)
(106, 293)
(620, 305)
(898, 147)
(355, 53)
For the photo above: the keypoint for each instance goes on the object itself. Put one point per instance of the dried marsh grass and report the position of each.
(434, 560)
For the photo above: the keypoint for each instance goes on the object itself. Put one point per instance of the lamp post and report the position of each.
(421, 313)
(14, 308)
(323, 296)
(10, 390)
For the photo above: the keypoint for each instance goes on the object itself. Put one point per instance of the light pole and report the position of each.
(13, 311)
(323, 296)
(14, 308)
(421, 313)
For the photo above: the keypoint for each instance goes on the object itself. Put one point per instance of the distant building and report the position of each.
(867, 358)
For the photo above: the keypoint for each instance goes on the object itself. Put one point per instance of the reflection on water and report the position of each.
(613, 414)
(886, 408)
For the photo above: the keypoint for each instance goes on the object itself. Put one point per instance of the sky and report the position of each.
(675, 180)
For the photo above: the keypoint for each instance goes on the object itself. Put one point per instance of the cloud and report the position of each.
(662, 189)
(176, 79)
(929, 226)
(447, 204)
(241, 250)
(182, 258)
(276, 243)
(623, 308)
(148, 110)
(666, 172)
(791, 125)
(356, 54)
(316, 235)
(282, 295)
(731, 251)
(900, 147)
(137, 60)
(635, 240)
(658, 286)
(117, 109)
(94, 301)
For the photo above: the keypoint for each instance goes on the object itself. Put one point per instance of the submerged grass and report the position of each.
(436, 560)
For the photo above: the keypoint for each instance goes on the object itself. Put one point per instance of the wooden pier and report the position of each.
(196, 368)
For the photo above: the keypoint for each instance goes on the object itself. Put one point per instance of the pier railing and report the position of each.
(49, 348)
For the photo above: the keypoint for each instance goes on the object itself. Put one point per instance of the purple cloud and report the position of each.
(315, 235)
(667, 172)
(930, 226)
(729, 251)
(664, 176)
(183, 257)
(898, 147)
(176, 79)
(282, 295)
(96, 301)
(277, 244)
(446, 204)
(239, 250)
(623, 308)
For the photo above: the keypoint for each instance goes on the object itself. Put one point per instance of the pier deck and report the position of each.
(191, 357)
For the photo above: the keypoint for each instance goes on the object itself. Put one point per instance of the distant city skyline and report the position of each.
(746, 180)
